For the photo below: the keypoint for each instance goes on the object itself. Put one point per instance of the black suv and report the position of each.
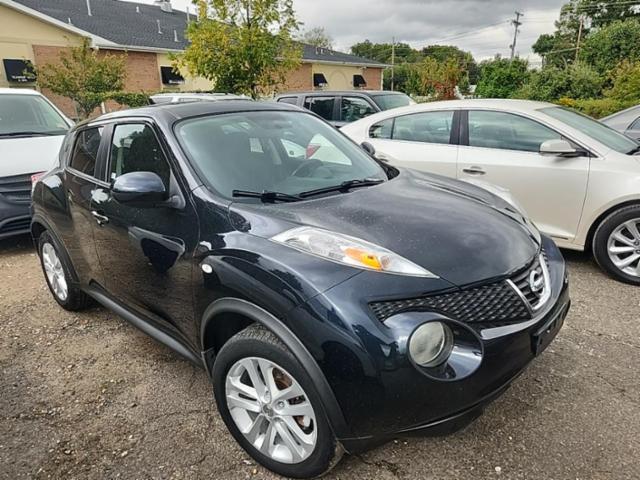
(340, 108)
(334, 300)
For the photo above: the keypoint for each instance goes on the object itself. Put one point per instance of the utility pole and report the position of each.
(516, 23)
(579, 36)
(393, 62)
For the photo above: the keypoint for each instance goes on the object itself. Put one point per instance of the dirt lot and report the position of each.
(87, 396)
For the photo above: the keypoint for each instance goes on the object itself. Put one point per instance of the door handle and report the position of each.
(100, 219)
(474, 170)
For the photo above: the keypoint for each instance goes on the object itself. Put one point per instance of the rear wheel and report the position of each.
(616, 244)
(57, 273)
(270, 406)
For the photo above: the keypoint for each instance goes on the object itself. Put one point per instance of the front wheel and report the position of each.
(271, 407)
(616, 244)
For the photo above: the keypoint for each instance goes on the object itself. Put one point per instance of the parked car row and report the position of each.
(335, 297)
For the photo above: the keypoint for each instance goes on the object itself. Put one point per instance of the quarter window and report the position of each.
(322, 106)
(635, 125)
(382, 129)
(85, 151)
(354, 108)
(506, 131)
(427, 127)
(135, 148)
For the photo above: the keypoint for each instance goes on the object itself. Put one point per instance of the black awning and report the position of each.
(319, 80)
(169, 77)
(20, 71)
(359, 81)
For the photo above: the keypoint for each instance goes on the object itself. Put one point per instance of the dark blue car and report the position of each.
(334, 300)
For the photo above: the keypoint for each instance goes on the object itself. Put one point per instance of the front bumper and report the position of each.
(15, 218)
(383, 394)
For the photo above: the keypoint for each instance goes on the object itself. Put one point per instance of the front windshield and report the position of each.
(286, 152)
(29, 115)
(596, 130)
(389, 101)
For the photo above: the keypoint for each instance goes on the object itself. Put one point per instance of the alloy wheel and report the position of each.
(54, 272)
(271, 410)
(623, 247)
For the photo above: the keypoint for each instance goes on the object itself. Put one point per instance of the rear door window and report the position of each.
(85, 152)
(321, 106)
(427, 127)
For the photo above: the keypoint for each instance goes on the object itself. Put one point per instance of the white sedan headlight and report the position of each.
(349, 251)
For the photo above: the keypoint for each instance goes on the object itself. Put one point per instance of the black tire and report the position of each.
(76, 299)
(257, 341)
(601, 238)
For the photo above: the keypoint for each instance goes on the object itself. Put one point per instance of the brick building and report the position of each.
(37, 31)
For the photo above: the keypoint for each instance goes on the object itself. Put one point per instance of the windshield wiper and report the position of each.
(343, 187)
(28, 133)
(267, 196)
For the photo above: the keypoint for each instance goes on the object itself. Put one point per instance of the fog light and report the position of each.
(431, 344)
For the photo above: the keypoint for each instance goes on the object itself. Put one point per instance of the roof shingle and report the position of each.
(137, 25)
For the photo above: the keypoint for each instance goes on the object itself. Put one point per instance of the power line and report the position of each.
(469, 32)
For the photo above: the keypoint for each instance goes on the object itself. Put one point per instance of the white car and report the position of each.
(31, 132)
(578, 179)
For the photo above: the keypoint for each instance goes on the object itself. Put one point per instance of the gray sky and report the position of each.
(480, 26)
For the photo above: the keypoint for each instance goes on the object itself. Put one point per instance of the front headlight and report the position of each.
(349, 251)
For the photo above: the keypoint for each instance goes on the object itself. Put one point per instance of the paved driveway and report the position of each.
(87, 396)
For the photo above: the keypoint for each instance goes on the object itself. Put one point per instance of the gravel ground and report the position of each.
(85, 395)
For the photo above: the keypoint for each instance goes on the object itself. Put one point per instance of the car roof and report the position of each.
(170, 112)
(19, 91)
(325, 93)
(525, 106)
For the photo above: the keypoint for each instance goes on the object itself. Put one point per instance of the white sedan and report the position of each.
(578, 179)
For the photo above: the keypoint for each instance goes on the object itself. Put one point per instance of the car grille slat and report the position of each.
(491, 305)
(16, 188)
(16, 225)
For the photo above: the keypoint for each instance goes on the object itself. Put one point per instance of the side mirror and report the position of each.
(139, 189)
(370, 149)
(559, 148)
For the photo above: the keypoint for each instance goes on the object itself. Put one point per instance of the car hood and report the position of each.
(19, 156)
(457, 231)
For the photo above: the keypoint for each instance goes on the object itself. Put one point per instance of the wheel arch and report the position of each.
(588, 245)
(39, 225)
(241, 311)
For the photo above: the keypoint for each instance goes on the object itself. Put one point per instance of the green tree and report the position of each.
(602, 13)
(440, 79)
(243, 46)
(84, 76)
(626, 82)
(382, 52)
(608, 46)
(577, 81)
(406, 78)
(501, 78)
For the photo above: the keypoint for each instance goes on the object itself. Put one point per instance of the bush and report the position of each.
(129, 99)
(608, 46)
(577, 81)
(626, 82)
(596, 108)
(501, 78)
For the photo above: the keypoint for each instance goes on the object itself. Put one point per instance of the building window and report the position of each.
(359, 81)
(19, 71)
(169, 77)
(319, 80)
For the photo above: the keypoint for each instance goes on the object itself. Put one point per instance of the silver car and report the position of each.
(627, 122)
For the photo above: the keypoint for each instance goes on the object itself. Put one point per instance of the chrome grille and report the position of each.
(16, 189)
(500, 303)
